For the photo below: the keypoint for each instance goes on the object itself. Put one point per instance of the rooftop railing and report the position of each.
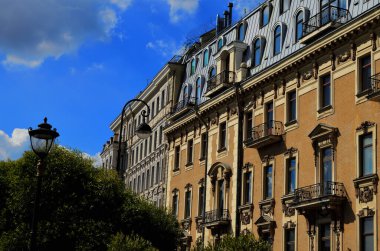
(181, 105)
(225, 77)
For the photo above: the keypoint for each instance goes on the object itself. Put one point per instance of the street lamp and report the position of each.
(143, 131)
(41, 140)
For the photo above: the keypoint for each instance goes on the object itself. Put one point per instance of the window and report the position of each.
(176, 157)
(152, 111)
(152, 179)
(141, 150)
(187, 204)
(265, 16)
(324, 237)
(247, 197)
(137, 154)
(269, 113)
(205, 58)
(134, 185)
(147, 179)
(138, 184)
(326, 172)
(146, 148)
(268, 182)
(203, 145)
(193, 66)
(222, 136)
(365, 73)
(299, 26)
(292, 103)
(257, 55)
(241, 32)
(155, 140)
(162, 98)
(290, 175)
(248, 125)
(212, 72)
(190, 151)
(160, 136)
(277, 40)
(184, 94)
(143, 182)
(284, 5)
(366, 234)
(132, 158)
(199, 90)
(175, 205)
(220, 43)
(220, 195)
(158, 172)
(200, 200)
(290, 239)
(150, 143)
(158, 105)
(325, 91)
(365, 155)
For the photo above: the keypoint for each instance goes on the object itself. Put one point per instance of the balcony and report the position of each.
(329, 18)
(219, 82)
(375, 88)
(265, 134)
(182, 106)
(217, 218)
(327, 195)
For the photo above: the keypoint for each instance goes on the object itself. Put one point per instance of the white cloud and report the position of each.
(12, 147)
(97, 160)
(180, 8)
(164, 48)
(36, 30)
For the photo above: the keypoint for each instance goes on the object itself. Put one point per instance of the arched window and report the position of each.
(220, 43)
(205, 58)
(199, 90)
(277, 40)
(299, 21)
(193, 66)
(265, 16)
(241, 34)
(190, 90)
(257, 52)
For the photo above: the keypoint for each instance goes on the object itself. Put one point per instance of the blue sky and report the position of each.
(78, 61)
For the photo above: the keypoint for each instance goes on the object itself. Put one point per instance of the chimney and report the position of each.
(226, 19)
(230, 5)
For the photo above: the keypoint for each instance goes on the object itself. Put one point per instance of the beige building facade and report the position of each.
(275, 133)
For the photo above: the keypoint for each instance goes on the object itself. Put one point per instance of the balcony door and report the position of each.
(326, 170)
(269, 118)
(220, 196)
(331, 10)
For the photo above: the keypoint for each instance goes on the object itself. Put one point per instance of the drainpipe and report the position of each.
(205, 172)
(240, 155)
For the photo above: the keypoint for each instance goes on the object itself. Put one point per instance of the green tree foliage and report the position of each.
(242, 243)
(133, 242)
(81, 207)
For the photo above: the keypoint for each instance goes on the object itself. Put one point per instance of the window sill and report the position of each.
(363, 93)
(222, 149)
(325, 109)
(203, 158)
(176, 172)
(189, 164)
(290, 123)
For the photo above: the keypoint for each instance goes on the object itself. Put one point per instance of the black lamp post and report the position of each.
(143, 131)
(41, 140)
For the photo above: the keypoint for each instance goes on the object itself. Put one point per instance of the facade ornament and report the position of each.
(315, 70)
(344, 57)
(246, 213)
(233, 111)
(228, 113)
(213, 121)
(290, 151)
(289, 224)
(188, 186)
(247, 165)
(267, 158)
(366, 194)
(227, 173)
(275, 90)
(199, 224)
(373, 40)
(267, 206)
(283, 82)
(332, 58)
(186, 224)
(262, 96)
(298, 79)
(366, 212)
(307, 75)
(288, 210)
(353, 51)
(254, 101)
(201, 182)
(365, 125)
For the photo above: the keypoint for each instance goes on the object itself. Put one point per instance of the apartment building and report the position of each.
(143, 162)
(275, 128)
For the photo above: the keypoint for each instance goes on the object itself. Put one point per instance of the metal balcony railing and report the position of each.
(181, 105)
(375, 82)
(218, 215)
(273, 128)
(331, 14)
(225, 77)
(319, 190)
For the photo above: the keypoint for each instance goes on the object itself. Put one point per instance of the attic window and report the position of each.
(220, 43)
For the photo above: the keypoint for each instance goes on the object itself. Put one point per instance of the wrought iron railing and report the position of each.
(225, 77)
(319, 190)
(326, 16)
(217, 215)
(266, 129)
(375, 82)
(183, 104)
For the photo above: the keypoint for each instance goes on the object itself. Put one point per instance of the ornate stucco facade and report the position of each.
(277, 130)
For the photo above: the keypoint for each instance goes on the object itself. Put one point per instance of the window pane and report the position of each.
(365, 64)
(299, 21)
(291, 179)
(326, 91)
(247, 187)
(366, 234)
(327, 164)
(366, 154)
(290, 237)
(268, 182)
(277, 40)
(241, 32)
(257, 52)
(265, 16)
(220, 44)
(205, 58)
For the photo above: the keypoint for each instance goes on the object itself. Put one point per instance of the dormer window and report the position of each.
(212, 72)
(205, 58)
(265, 15)
(299, 26)
(193, 66)
(199, 90)
(284, 5)
(241, 31)
(277, 43)
(220, 43)
(258, 48)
